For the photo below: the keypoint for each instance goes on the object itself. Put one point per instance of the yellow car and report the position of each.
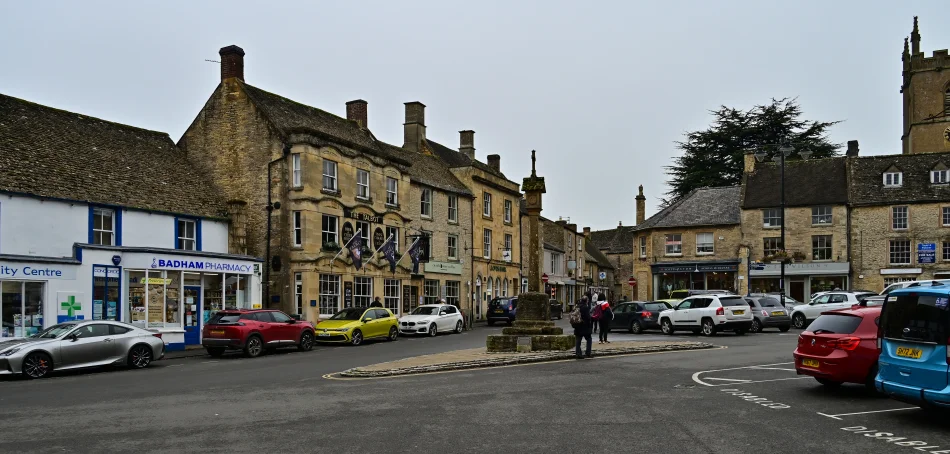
(355, 324)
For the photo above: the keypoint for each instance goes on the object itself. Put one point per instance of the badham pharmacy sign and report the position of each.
(201, 265)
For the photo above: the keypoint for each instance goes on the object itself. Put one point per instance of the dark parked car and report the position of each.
(636, 316)
(557, 311)
(502, 310)
(768, 312)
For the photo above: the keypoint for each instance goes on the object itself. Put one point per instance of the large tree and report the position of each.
(714, 156)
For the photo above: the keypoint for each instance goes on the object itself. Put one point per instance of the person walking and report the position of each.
(580, 320)
(376, 303)
(595, 316)
(606, 315)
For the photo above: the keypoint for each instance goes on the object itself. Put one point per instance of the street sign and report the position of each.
(757, 266)
(544, 277)
(926, 252)
(632, 281)
(603, 275)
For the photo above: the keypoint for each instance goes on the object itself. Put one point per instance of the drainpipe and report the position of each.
(848, 236)
(271, 206)
(471, 282)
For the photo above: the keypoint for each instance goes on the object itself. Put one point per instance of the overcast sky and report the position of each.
(600, 89)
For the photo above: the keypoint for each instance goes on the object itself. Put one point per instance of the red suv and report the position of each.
(841, 346)
(254, 331)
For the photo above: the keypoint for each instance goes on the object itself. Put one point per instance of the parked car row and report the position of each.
(505, 310)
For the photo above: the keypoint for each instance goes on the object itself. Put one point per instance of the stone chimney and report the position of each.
(748, 161)
(237, 227)
(852, 149)
(494, 161)
(414, 129)
(232, 62)
(641, 207)
(356, 111)
(586, 232)
(467, 143)
(572, 227)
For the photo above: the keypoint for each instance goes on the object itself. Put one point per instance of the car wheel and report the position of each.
(828, 383)
(393, 334)
(666, 327)
(215, 352)
(869, 382)
(458, 327)
(799, 321)
(254, 347)
(785, 328)
(433, 330)
(37, 365)
(140, 356)
(306, 342)
(708, 328)
(636, 327)
(756, 326)
(356, 338)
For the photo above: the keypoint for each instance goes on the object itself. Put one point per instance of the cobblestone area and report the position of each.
(478, 357)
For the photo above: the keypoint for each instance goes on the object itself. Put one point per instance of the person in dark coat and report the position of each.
(583, 329)
(376, 303)
(607, 315)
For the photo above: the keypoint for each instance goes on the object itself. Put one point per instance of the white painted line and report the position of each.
(698, 380)
(773, 368)
(728, 379)
(867, 412)
(208, 362)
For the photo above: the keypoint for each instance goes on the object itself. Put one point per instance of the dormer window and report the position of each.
(940, 176)
(893, 179)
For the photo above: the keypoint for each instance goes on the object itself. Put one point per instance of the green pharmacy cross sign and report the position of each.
(71, 306)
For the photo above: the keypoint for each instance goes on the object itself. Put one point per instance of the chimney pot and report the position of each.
(494, 161)
(586, 232)
(467, 143)
(232, 62)
(641, 206)
(414, 129)
(356, 111)
(415, 113)
(852, 148)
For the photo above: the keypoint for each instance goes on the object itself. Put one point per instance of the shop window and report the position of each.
(508, 211)
(235, 292)
(155, 298)
(329, 294)
(899, 252)
(426, 203)
(486, 244)
(899, 218)
(329, 229)
(772, 245)
(298, 292)
(771, 217)
(453, 208)
(821, 215)
(362, 291)
(186, 234)
(488, 288)
(329, 175)
(486, 204)
(173, 299)
(298, 228)
(828, 283)
(430, 293)
(391, 295)
(452, 292)
(674, 244)
(893, 179)
(105, 293)
(362, 184)
(392, 192)
(103, 226)
(394, 233)
(214, 295)
(453, 244)
(21, 308)
(705, 243)
(821, 247)
(295, 170)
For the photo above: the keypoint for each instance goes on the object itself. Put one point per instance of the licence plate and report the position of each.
(738, 312)
(499, 311)
(778, 313)
(217, 332)
(906, 352)
(810, 363)
(323, 334)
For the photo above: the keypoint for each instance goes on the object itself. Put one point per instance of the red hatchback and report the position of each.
(253, 331)
(841, 347)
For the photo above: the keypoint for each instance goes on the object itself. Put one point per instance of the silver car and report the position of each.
(79, 344)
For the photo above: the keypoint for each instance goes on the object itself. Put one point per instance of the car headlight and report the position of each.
(344, 329)
(10, 351)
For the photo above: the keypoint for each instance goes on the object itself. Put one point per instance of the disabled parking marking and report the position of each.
(733, 381)
(865, 412)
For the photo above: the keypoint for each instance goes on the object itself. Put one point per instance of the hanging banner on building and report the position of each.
(926, 253)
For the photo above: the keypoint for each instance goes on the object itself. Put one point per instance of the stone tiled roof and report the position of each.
(456, 159)
(807, 183)
(614, 241)
(704, 206)
(291, 117)
(593, 253)
(54, 153)
(552, 247)
(867, 179)
(429, 170)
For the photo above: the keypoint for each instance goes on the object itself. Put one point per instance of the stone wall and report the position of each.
(798, 232)
(727, 246)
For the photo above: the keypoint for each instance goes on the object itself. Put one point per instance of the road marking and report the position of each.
(866, 412)
(208, 362)
(756, 399)
(773, 368)
(760, 366)
(729, 379)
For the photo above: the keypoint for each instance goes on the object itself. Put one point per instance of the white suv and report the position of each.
(804, 314)
(708, 314)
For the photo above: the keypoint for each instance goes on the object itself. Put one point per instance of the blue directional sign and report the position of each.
(926, 252)
(757, 266)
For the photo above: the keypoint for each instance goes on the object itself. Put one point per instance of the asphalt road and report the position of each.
(683, 402)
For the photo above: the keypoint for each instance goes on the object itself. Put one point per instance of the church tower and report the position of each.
(926, 93)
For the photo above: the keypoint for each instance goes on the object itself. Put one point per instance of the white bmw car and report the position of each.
(432, 319)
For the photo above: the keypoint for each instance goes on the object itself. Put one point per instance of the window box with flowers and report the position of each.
(331, 246)
(779, 256)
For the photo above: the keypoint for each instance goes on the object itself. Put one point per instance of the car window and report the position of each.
(514, 304)
(260, 317)
(88, 331)
(700, 303)
(835, 324)
(224, 317)
(381, 313)
(450, 309)
(116, 330)
(732, 301)
(370, 314)
(655, 307)
(769, 302)
(686, 304)
(750, 301)
(278, 316)
(916, 317)
(823, 299)
(839, 298)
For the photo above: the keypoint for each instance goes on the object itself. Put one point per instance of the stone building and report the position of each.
(900, 218)
(617, 245)
(816, 221)
(926, 98)
(599, 274)
(563, 260)
(694, 243)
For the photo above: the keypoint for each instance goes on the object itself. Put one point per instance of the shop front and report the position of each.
(804, 279)
(668, 277)
(29, 290)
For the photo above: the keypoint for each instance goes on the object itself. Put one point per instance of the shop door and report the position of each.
(192, 315)
(797, 291)
(106, 289)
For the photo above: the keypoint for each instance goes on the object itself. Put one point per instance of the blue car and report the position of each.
(914, 364)
(502, 310)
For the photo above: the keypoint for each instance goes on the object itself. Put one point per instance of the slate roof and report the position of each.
(807, 183)
(614, 241)
(454, 158)
(704, 206)
(53, 153)
(867, 179)
(552, 247)
(594, 254)
(430, 171)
